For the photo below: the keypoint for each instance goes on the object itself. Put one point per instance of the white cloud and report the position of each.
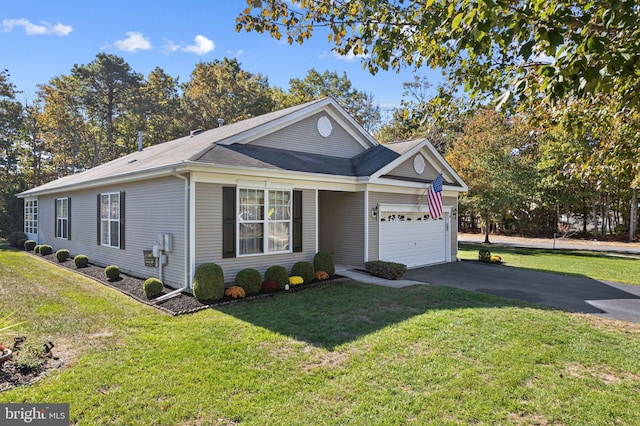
(134, 41)
(201, 47)
(349, 57)
(45, 28)
(237, 54)
(170, 46)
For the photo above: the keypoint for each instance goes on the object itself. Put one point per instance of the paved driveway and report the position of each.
(569, 293)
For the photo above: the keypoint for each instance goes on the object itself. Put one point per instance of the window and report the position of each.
(62, 218)
(110, 219)
(31, 216)
(264, 221)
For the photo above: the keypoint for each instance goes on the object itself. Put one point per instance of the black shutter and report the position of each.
(98, 233)
(55, 218)
(122, 220)
(228, 221)
(68, 218)
(297, 221)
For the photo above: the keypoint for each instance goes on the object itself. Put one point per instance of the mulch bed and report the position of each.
(184, 303)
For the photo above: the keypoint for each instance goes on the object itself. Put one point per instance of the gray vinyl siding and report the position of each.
(341, 226)
(151, 207)
(208, 230)
(303, 136)
(406, 169)
(381, 197)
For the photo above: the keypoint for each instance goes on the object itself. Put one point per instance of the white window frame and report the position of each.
(265, 220)
(31, 216)
(107, 221)
(62, 221)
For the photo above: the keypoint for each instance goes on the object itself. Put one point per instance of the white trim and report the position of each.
(408, 208)
(31, 225)
(110, 220)
(192, 229)
(366, 225)
(317, 220)
(57, 226)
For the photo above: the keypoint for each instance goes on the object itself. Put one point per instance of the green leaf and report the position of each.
(456, 21)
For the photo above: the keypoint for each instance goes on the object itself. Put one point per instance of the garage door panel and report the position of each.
(405, 239)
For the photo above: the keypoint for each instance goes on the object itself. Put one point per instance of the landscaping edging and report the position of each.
(178, 305)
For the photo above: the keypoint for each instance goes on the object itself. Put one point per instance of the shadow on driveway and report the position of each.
(569, 293)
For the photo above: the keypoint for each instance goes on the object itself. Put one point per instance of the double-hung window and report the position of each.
(264, 221)
(110, 219)
(62, 218)
(31, 217)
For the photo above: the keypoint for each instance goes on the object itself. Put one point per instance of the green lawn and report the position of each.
(342, 353)
(600, 266)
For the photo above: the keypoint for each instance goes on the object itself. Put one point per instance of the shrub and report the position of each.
(484, 255)
(36, 249)
(269, 286)
(323, 261)
(15, 237)
(46, 250)
(112, 272)
(81, 261)
(208, 282)
(496, 259)
(235, 292)
(250, 280)
(321, 275)
(278, 274)
(21, 242)
(384, 269)
(304, 270)
(152, 287)
(62, 255)
(296, 280)
(29, 245)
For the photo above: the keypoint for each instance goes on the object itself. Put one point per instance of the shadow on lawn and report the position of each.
(341, 312)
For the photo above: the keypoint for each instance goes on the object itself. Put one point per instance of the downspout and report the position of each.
(187, 275)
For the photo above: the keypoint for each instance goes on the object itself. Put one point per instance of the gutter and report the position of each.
(187, 275)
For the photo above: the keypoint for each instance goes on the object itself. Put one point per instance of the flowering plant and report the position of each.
(496, 259)
(321, 275)
(235, 292)
(296, 280)
(269, 285)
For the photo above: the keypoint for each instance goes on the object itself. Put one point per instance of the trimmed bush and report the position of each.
(15, 237)
(21, 242)
(81, 261)
(250, 280)
(29, 245)
(278, 274)
(323, 261)
(208, 282)
(62, 255)
(36, 249)
(384, 269)
(152, 287)
(46, 250)
(304, 270)
(112, 272)
(484, 255)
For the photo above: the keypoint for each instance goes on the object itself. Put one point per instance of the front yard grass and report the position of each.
(596, 265)
(341, 353)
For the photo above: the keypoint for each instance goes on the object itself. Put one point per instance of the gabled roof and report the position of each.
(227, 146)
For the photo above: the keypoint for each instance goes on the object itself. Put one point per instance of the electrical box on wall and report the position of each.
(165, 242)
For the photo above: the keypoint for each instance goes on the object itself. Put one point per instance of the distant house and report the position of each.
(271, 190)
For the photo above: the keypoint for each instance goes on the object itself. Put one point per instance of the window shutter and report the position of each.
(55, 218)
(69, 218)
(98, 233)
(228, 221)
(122, 220)
(297, 221)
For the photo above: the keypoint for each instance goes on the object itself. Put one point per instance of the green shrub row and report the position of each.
(208, 281)
(384, 269)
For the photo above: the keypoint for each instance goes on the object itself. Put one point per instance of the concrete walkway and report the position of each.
(363, 277)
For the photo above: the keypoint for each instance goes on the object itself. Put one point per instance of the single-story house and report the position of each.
(270, 190)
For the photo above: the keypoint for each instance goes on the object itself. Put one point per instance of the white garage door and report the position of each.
(412, 238)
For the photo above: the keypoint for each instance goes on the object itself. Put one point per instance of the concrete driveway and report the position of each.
(569, 293)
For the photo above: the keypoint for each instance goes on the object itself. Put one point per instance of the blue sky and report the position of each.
(41, 39)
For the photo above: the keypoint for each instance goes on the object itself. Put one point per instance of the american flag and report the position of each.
(435, 197)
